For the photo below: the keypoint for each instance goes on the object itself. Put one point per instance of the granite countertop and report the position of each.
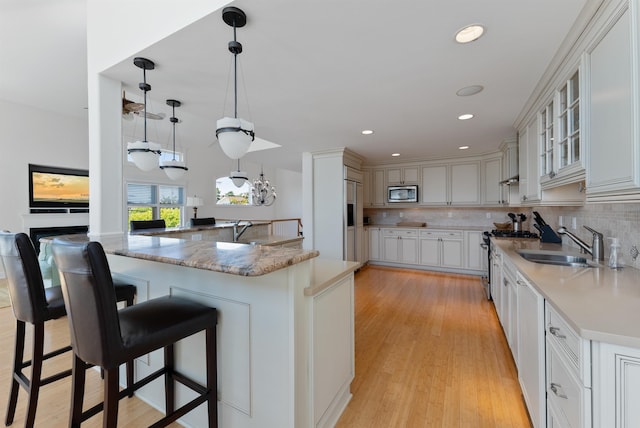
(600, 303)
(227, 257)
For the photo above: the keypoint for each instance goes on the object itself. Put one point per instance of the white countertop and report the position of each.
(325, 272)
(430, 227)
(600, 303)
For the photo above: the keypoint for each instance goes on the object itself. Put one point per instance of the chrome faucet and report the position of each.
(236, 234)
(596, 249)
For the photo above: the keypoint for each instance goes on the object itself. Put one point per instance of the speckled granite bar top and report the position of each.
(226, 257)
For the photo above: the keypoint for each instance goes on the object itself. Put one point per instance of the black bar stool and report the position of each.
(106, 337)
(34, 304)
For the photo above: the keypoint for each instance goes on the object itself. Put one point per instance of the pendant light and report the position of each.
(173, 168)
(145, 154)
(262, 192)
(238, 177)
(234, 134)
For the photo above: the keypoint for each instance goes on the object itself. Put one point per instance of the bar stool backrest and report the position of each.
(25, 285)
(90, 301)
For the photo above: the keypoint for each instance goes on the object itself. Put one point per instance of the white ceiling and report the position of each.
(316, 72)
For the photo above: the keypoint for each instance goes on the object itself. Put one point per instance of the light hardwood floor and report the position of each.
(429, 353)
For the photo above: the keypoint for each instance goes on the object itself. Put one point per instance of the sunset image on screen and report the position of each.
(60, 188)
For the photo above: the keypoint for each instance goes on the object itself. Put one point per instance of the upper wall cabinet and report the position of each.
(376, 188)
(613, 149)
(493, 190)
(559, 139)
(403, 175)
(451, 184)
(528, 153)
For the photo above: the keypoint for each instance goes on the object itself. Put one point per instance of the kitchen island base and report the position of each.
(285, 347)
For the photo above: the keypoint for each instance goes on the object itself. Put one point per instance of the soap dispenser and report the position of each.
(615, 261)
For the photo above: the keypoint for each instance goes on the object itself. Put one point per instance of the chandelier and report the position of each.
(262, 192)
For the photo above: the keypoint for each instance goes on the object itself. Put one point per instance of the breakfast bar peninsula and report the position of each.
(285, 327)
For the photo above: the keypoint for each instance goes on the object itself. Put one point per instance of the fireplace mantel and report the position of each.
(30, 221)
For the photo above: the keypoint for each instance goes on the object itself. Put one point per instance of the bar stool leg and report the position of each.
(17, 367)
(36, 372)
(169, 384)
(212, 377)
(111, 399)
(77, 392)
(130, 363)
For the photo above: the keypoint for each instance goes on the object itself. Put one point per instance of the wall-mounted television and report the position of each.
(51, 187)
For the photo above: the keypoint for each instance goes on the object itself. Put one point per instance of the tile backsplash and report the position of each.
(612, 220)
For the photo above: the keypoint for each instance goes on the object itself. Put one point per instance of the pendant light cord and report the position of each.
(235, 76)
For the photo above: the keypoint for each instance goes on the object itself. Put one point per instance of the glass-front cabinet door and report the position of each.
(559, 136)
(569, 122)
(546, 141)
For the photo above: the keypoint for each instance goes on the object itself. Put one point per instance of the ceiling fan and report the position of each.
(131, 109)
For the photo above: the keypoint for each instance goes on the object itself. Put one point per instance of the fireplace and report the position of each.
(42, 232)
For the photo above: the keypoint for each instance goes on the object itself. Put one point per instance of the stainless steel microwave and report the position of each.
(397, 194)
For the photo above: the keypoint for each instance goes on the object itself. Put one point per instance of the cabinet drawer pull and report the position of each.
(555, 387)
(556, 332)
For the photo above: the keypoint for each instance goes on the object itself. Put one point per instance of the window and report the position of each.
(569, 122)
(546, 140)
(228, 194)
(155, 201)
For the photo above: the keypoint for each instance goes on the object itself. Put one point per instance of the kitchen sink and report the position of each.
(556, 258)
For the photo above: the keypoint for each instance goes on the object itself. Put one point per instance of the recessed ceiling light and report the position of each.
(469, 90)
(463, 147)
(395, 154)
(367, 132)
(465, 116)
(469, 33)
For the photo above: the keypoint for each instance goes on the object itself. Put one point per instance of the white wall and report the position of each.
(30, 135)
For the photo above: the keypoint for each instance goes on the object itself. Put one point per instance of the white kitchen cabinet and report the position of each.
(497, 286)
(451, 184)
(528, 152)
(616, 386)
(365, 246)
(613, 163)
(568, 373)
(493, 190)
(378, 188)
(531, 349)
(403, 175)
(510, 170)
(441, 248)
(400, 245)
(366, 188)
(375, 243)
(475, 256)
(510, 324)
